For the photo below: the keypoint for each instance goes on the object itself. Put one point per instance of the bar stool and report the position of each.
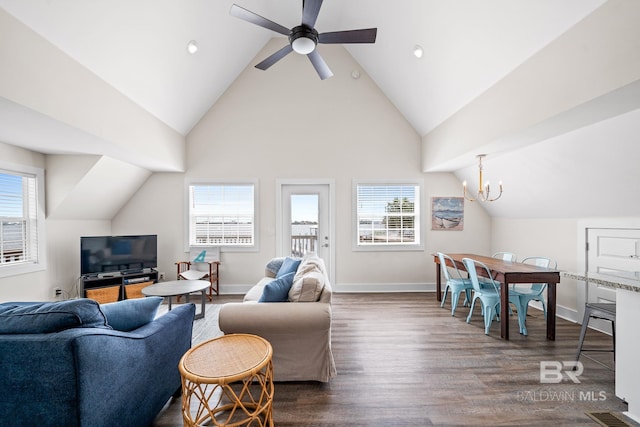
(605, 311)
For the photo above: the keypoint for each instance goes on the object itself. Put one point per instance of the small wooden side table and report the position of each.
(228, 381)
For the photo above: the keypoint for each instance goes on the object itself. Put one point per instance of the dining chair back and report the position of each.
(505, 256)
(488, 293)
(520, 295)
(455, 282)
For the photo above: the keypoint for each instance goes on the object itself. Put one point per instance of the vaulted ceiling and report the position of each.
(139, 47)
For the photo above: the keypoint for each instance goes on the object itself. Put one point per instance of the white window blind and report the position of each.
(388, 214)
(221, 214)
(18, 219)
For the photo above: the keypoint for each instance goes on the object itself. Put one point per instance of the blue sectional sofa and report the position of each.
(77, 363)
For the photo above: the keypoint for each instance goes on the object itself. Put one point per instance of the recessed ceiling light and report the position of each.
(417, 51)
(355, 74)
(192, 47)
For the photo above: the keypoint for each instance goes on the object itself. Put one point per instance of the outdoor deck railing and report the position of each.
(12, 256)
(301, 245)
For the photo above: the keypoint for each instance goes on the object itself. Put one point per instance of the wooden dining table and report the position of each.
(507, 272)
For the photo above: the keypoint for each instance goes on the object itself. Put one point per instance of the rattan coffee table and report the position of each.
(228, 381)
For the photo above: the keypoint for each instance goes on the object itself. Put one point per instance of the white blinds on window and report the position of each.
(388, 214)
(221, 214)
(18, 218)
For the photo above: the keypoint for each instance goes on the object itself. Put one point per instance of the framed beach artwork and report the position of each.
(447, 213)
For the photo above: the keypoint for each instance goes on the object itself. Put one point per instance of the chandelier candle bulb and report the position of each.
(483, 189)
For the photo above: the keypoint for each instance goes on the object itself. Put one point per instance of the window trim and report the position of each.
(256, 219)
(382, 247)
(8, 270)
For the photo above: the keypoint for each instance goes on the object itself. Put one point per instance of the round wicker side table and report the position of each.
(228, 381)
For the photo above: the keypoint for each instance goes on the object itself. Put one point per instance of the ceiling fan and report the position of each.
(304, 38)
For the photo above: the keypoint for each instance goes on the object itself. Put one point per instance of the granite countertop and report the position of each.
(608, 281)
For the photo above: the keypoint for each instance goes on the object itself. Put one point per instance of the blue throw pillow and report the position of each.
(131, 314)
(47, 317)
(289, 265)
(277, 290)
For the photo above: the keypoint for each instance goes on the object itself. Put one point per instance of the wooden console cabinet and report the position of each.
(115, 279)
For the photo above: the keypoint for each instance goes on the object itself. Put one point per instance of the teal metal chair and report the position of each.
(454, 284)
(521, 295)
(505, 256)
(489, 294)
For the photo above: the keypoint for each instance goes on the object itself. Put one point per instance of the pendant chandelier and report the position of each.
(483, 189)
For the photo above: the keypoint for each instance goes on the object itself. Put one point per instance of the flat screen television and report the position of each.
(118, 254)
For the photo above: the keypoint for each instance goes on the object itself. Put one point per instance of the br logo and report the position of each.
(554, 372)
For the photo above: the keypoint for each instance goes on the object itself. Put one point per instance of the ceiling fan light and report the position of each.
(303, 45)
(303, 39)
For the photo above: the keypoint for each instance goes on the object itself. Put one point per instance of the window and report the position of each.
(388, 216)
(222, 215)
(21, 220)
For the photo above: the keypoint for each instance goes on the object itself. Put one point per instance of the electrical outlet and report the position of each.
(161, 276)
(57, 292)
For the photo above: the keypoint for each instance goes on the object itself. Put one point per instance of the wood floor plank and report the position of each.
(404, 361)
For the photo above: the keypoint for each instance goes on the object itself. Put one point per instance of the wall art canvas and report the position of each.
(447, 213)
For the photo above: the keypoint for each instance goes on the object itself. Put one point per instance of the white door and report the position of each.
(305, 213)
(611, 252)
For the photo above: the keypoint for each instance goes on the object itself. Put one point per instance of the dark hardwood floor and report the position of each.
(404, 361)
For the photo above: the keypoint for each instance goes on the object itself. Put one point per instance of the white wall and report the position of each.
(586, 75)
(63, 251)
(13, 154)
(67, 98)
(552, 238)
(157, 208)
(62, 243)
(90, 187)
(286, 123)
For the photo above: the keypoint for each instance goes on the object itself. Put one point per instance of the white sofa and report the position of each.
(300, 332)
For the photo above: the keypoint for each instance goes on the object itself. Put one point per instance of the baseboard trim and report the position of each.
(235, 289)
(563, 312)
(382, 287)
(568, 314)
(240, 289)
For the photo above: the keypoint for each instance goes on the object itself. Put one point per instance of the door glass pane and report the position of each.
(304, 224)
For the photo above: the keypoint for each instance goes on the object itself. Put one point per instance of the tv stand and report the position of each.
(116, 279)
